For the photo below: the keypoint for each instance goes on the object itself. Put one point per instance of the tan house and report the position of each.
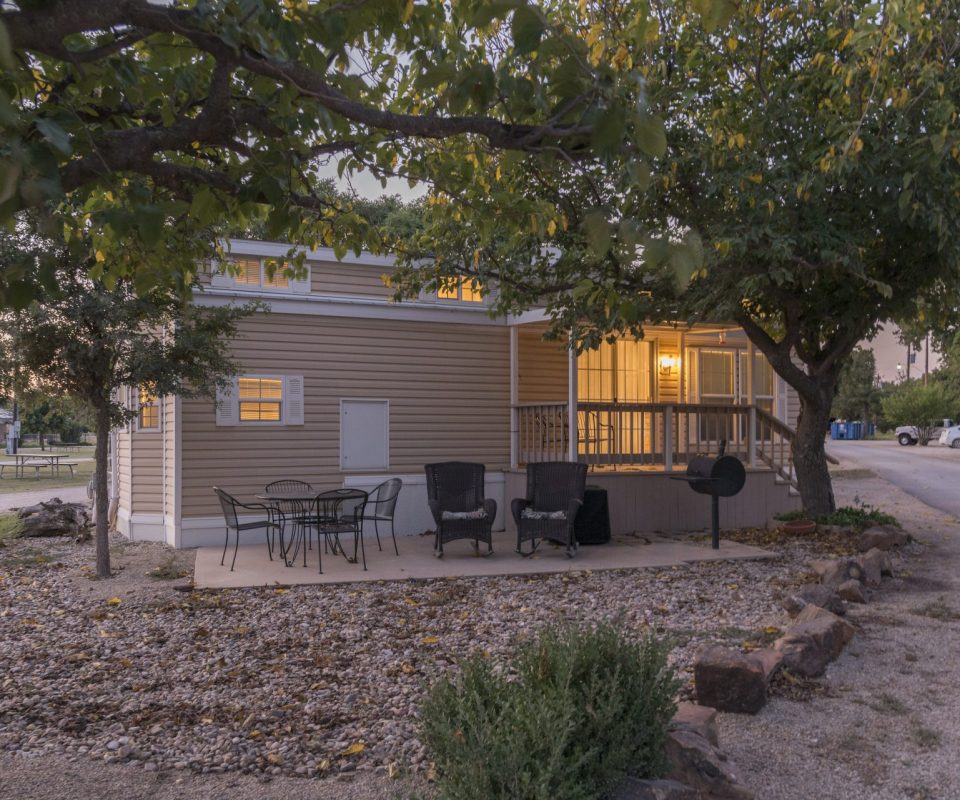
(339, 386)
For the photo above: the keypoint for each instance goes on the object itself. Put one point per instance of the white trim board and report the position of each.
(142, 527)
(345, 306)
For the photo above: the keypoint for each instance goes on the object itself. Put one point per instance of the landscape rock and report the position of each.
(55, 518)
(852, 592)
(817, 594)
(886, 565)
(728, 680)
(636, 789)
(815, 639)
(833, 572)
(699, 719)
(883, 537)
(696, 762)
(872, 563)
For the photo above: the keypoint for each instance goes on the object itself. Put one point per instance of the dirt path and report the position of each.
(889, 728)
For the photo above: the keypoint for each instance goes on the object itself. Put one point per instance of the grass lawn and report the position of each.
(81, 475)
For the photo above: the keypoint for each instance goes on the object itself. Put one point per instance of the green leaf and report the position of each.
(597, 231)
(6, 47)
(608, 131)
(54, 134)
(485, 14)
(528, 27)
(19, 294)
(715, 13)
(9, 174)
(651, 135)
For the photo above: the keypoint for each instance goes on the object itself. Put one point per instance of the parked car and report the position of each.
(908, 434)
(951, 437)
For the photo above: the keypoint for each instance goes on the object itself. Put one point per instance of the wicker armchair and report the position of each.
(460, 511)
(554, 496)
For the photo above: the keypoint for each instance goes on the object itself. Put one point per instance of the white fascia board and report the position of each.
(528, 316)
(250, 247)
(343, 306)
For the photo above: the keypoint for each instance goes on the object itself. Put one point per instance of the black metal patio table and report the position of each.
(323, 511)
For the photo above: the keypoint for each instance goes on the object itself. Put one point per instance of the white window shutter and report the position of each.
(220, 277)
(228, 412)
(293, 400)
(300, 285)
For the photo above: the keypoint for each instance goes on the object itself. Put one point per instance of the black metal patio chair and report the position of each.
(554, 496)
(300, 513)
(231, 520)
(381, 506)
(341, 512)
(460, 511)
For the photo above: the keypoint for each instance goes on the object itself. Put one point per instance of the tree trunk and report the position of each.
(102, 501)
(810, 459)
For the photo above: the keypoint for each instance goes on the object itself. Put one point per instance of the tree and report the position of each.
(858, 393)
(87, 337)
(921, 406)
(144, 113)
(809, 185)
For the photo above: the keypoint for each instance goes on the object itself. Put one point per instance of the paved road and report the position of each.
(69, 494)
(931, 474)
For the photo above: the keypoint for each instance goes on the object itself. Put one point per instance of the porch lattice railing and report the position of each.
(652, 434)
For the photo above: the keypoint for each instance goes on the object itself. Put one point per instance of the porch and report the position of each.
(659, 437)
(417, 562)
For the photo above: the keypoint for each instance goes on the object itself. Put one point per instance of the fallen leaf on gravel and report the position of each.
(281, 590)
(114, 601)
(275, 758)
(355, 749)
(393, 771)
(408, 668)
(430, 639)
(410, 601)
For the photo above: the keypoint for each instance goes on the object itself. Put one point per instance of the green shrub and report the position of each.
(859, 517)
(581, 708)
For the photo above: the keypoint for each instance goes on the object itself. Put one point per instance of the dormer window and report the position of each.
(462, 289)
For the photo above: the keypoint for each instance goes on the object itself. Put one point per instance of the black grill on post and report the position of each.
(723, 476)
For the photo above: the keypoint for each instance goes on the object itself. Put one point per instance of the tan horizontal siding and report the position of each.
(542, 367)
(146, 463)
(448, 388)
(333, 277)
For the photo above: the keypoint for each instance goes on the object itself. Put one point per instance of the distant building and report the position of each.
(6, 420)
(895, 361)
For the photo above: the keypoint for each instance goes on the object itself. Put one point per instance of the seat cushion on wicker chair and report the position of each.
(478, 514)
(529, 513)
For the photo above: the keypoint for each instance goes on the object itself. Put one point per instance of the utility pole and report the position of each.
(908, 362)
(926, 358)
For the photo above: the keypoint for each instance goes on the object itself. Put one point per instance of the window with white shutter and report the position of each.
(253, 272)
(261, 400)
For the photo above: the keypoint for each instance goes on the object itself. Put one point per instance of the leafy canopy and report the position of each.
(157, 117)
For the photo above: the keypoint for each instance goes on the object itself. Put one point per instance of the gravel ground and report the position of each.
(128, 685)
(885, 723)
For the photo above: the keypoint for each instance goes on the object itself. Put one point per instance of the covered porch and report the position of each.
(647, 405)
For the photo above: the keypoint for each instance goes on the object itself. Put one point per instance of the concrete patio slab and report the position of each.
(417, 562)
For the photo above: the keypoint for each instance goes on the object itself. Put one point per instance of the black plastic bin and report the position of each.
(592, 525)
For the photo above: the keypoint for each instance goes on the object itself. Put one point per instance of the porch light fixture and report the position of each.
(667, 363)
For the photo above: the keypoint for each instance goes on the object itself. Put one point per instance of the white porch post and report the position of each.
(668, 439)
(683, 367)
(574, 445)
(514, 395)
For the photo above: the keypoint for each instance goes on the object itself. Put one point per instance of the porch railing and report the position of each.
(652, 434)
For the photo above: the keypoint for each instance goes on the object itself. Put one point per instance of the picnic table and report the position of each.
(38, 461)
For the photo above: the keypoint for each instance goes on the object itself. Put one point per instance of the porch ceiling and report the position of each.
(417, 562)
